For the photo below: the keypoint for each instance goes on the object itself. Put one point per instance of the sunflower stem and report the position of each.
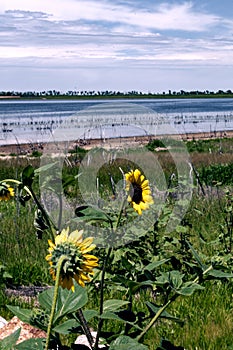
(120, 212)
(154, 319)
(59, 266)
(85, 327)
(100, 324)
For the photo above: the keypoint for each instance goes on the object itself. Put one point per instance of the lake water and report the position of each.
(46, 120)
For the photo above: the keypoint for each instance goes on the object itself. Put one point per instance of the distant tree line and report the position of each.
(110, 93)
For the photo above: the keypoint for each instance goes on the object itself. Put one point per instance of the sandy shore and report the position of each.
(28, 148)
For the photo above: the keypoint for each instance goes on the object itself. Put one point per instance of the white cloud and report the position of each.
(163, 17)
(96, 36)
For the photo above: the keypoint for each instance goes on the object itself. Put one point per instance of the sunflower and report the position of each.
(139, 191)
(78, 264)
(6, 192)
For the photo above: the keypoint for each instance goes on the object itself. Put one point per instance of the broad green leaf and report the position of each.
(9, 342)
(67, 327)
(69, 301)
(89, 314)
(196, 256)
(45, 298)
(189, 289)
(162, 279)
(28, 175)
(114, 304)
(176, 279)
(132, 285)
(31, 344)
(6, 275)
(155, 264)
(23, 314)
(126, 343)
(90, 213)
(164, 314)
(220, 274)
(46, 167)
(109, 315)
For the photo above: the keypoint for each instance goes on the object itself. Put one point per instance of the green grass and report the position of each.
(207, 317)
(207, 314)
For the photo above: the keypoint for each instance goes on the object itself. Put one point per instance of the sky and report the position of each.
(116, 45)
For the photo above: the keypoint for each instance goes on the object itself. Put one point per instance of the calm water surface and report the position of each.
(37, 121)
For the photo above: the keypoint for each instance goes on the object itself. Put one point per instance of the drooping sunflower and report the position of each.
(139, 191)
(78, 264)
(6, 192)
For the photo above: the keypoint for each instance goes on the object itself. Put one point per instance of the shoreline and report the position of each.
(111, 143)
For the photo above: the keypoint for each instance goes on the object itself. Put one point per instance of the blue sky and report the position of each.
(143, 45)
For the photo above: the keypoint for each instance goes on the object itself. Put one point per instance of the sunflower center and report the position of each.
(137, 193)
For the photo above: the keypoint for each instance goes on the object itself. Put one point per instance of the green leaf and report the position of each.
(67, 327)
(114, 304)
(46, 167)
(23, 314)
(7, 275)
(154, 308)
(109, 315)
(45, 299)
(155, 264)
(196, 256)
(68, 180)
(220, 274)
(181, 229)
(91, 214)
(69, 301)
(33, 343)
(89, 314)
(9, 342)
(28, 175)
(132, 285)
(126, 343)
(176, 279)
(189, 288)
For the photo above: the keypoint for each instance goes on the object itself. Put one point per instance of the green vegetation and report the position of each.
(54, 94)
(146, 272)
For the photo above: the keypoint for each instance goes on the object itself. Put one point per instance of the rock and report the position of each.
(3, 322)
(27, 331)
(82, 340)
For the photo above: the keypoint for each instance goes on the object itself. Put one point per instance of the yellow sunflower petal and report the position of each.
(137, 174)
(129, 199)
(137, 208)
(145, 184)
(143, 206)
(86, 242)
(48, 257)
(88, 249)
(142, 178)
(63, 236)
(51, 244)
(76, 236)
(147, 199)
